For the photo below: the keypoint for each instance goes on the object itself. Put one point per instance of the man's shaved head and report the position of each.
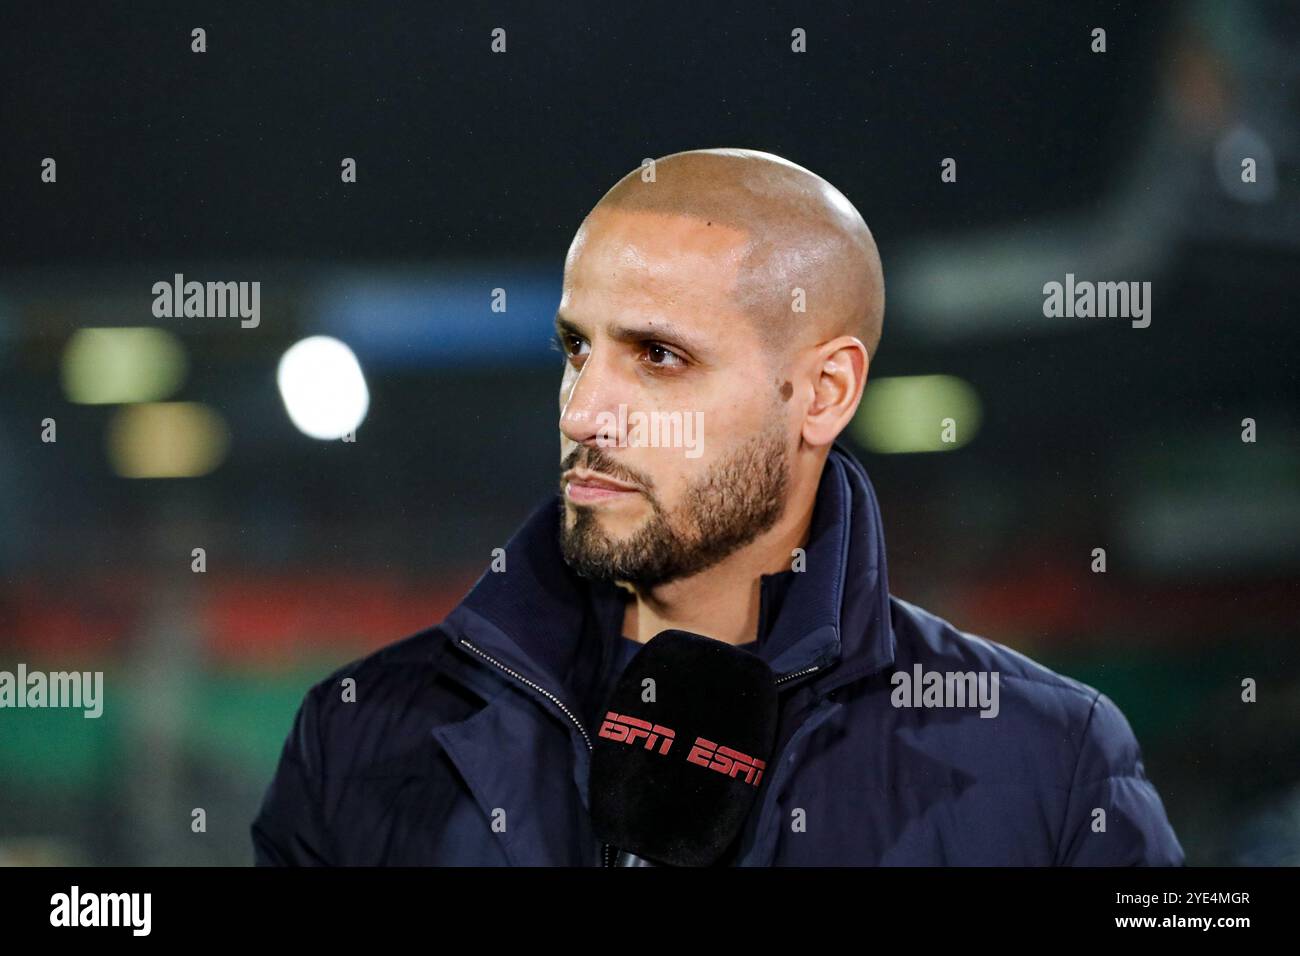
(800, 233)
(732, 290)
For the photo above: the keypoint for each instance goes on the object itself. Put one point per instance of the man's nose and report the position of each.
(589, 412)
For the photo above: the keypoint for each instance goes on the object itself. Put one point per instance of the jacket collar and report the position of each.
(830, 621)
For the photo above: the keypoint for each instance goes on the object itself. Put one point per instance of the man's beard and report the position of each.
(735, 501)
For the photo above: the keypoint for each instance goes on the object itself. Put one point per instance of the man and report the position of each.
(740, 291)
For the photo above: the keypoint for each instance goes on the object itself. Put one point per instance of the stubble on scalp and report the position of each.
(804, 237)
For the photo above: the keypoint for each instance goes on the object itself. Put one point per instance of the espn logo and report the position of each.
(622, 728)
(706, 753)
(626, 729)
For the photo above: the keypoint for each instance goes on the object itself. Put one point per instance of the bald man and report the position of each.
(734, 290)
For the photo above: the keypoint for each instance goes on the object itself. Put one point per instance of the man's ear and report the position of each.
(839, 374)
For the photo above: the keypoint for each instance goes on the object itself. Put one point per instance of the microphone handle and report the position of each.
(625, 858)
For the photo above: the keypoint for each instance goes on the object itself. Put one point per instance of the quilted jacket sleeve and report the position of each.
(1114, 816)
(290, 829)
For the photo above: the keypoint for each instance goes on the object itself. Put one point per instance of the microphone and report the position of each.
(681, 751)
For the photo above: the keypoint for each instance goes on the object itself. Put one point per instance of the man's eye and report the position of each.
(663, 357)
(569, 344)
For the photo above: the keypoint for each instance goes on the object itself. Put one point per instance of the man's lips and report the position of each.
(588, 487)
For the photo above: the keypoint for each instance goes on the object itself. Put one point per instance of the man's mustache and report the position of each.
(594, 459)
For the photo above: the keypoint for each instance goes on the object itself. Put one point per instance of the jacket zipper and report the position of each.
(541, 690)
(605, 848)
(806, 670)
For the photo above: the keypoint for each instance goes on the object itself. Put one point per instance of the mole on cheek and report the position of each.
(786, 391)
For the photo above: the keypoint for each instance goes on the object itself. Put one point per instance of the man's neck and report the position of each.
(722, 602)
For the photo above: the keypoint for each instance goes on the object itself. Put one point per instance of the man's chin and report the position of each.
(617, 521)
(595, 546)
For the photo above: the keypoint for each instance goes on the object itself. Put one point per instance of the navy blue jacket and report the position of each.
(469, 743)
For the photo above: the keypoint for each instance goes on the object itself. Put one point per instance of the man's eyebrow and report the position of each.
(665, 332)
(564, 326)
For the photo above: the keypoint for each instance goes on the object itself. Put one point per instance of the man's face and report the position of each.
(658, 353)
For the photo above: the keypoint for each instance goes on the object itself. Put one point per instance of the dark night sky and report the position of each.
(235, 153)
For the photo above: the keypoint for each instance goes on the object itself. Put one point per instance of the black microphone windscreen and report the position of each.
(682, 749)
